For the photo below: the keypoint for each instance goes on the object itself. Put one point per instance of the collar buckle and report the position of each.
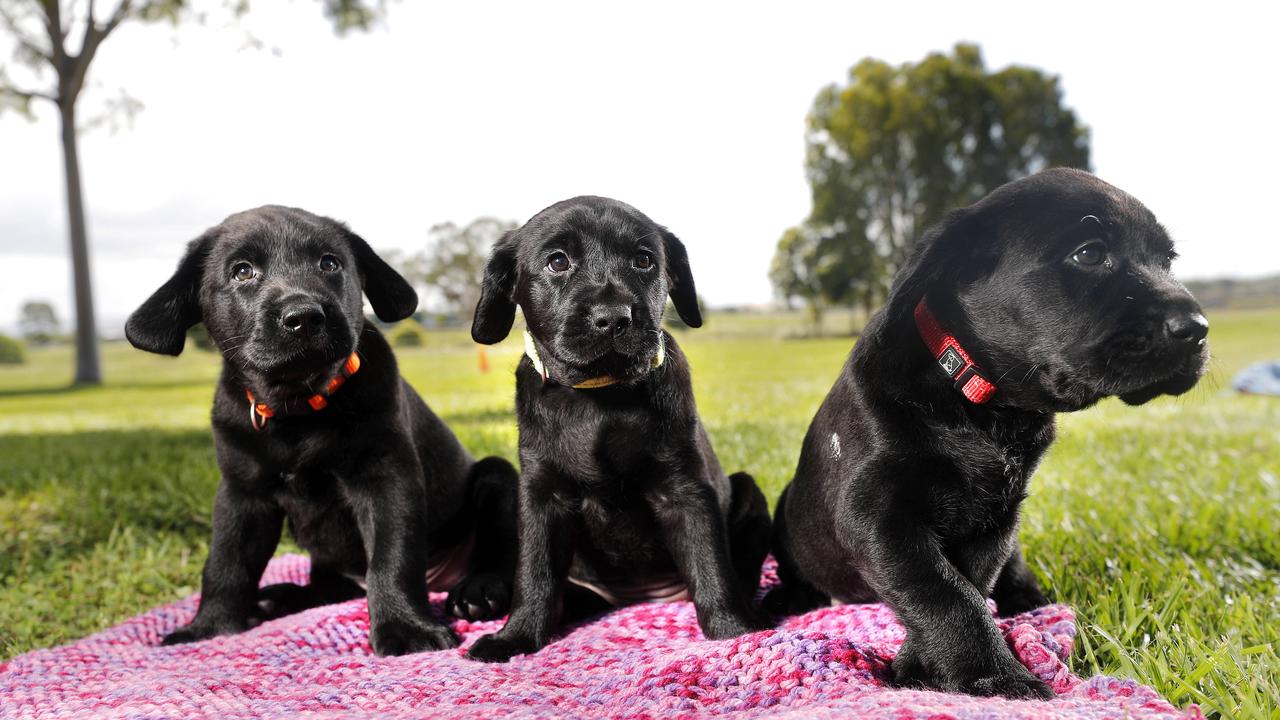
(952, 360)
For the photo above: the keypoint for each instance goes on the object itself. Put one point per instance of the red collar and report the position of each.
(952, 359)
(317, 402)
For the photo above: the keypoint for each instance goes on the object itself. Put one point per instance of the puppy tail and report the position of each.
(748, 530)
(493, 473)
(792, 595)
(492, 483)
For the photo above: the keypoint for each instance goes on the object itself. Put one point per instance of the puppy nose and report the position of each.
(611, 320)
(1187, 327)
(305, 319)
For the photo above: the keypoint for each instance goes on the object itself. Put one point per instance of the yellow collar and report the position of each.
(590, 383)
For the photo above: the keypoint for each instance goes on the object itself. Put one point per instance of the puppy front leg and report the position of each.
(952, 642)
(695, 534)
(246, 530)
(390, 510)
(1017, 590)
(546, 526)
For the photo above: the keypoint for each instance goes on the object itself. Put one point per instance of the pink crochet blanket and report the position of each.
(642, 661)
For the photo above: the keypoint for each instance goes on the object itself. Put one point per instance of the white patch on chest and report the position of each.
(835, 445)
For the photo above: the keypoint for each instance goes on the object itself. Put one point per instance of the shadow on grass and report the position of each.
(63, 493)
(74, 388)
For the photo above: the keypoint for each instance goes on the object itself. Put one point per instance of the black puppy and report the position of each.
(312, 422)
(620, 491)
(1046, 296)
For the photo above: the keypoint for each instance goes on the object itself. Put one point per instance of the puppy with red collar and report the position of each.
(1046, 296)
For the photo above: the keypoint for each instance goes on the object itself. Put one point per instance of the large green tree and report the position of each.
(896, 146)
(55, 43)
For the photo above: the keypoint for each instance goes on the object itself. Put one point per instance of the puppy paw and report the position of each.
(282, 599)
(1010, 686)
(495, 648)
(482, 596)
(786, 600)
(396, 637)
(909, 670)
(201, 629)
(1018, 603)
(723, 626)
(777, 601)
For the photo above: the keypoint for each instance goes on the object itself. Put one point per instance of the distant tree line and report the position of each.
(38, 322)
(446, 272)
(895, 147)
(1237, 293)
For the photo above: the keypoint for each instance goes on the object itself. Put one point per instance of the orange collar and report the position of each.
(317, 402)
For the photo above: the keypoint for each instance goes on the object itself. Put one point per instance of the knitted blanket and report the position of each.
(641, 661)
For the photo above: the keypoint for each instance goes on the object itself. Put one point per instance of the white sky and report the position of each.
(693, 112)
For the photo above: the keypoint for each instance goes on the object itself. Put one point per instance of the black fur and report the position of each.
(907, 492)
(619, 485)
(374, 486)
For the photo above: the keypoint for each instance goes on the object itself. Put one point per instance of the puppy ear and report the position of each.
(942, 252)
(160, 325)
(496, 310)
(392, 297)
(680, 281)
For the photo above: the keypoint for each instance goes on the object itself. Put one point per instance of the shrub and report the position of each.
(11, 352)
(199, 336)
(408, 334)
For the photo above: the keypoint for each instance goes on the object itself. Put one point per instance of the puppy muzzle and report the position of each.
(621, 360)
(297, 337)
(1167, 358)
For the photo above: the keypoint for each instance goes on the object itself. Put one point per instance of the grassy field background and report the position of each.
(1160, 524)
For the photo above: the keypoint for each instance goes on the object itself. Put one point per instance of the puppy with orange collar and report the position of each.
(312, 423)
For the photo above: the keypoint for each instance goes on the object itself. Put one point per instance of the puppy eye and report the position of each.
(329, 264)
(243, 272)
(644, 260)
(1091, 253)
(558, 262)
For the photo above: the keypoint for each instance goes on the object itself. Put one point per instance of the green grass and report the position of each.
(1159, 524)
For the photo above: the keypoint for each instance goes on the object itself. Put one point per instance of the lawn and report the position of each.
(1160, 524)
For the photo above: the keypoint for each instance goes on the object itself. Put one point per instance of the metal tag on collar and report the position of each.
(951, 362)
(256, 412)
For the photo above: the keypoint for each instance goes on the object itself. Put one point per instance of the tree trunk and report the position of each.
(88, 370)
(815, 317)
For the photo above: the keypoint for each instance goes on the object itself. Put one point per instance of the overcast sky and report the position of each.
(693, 112)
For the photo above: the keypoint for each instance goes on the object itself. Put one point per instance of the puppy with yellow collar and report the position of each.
(621, 497)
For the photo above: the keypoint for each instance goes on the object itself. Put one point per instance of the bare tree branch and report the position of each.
(57, 35)
(11, 98)
(94, 34)
(90, 27)
(27, 95)
(117, 17)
